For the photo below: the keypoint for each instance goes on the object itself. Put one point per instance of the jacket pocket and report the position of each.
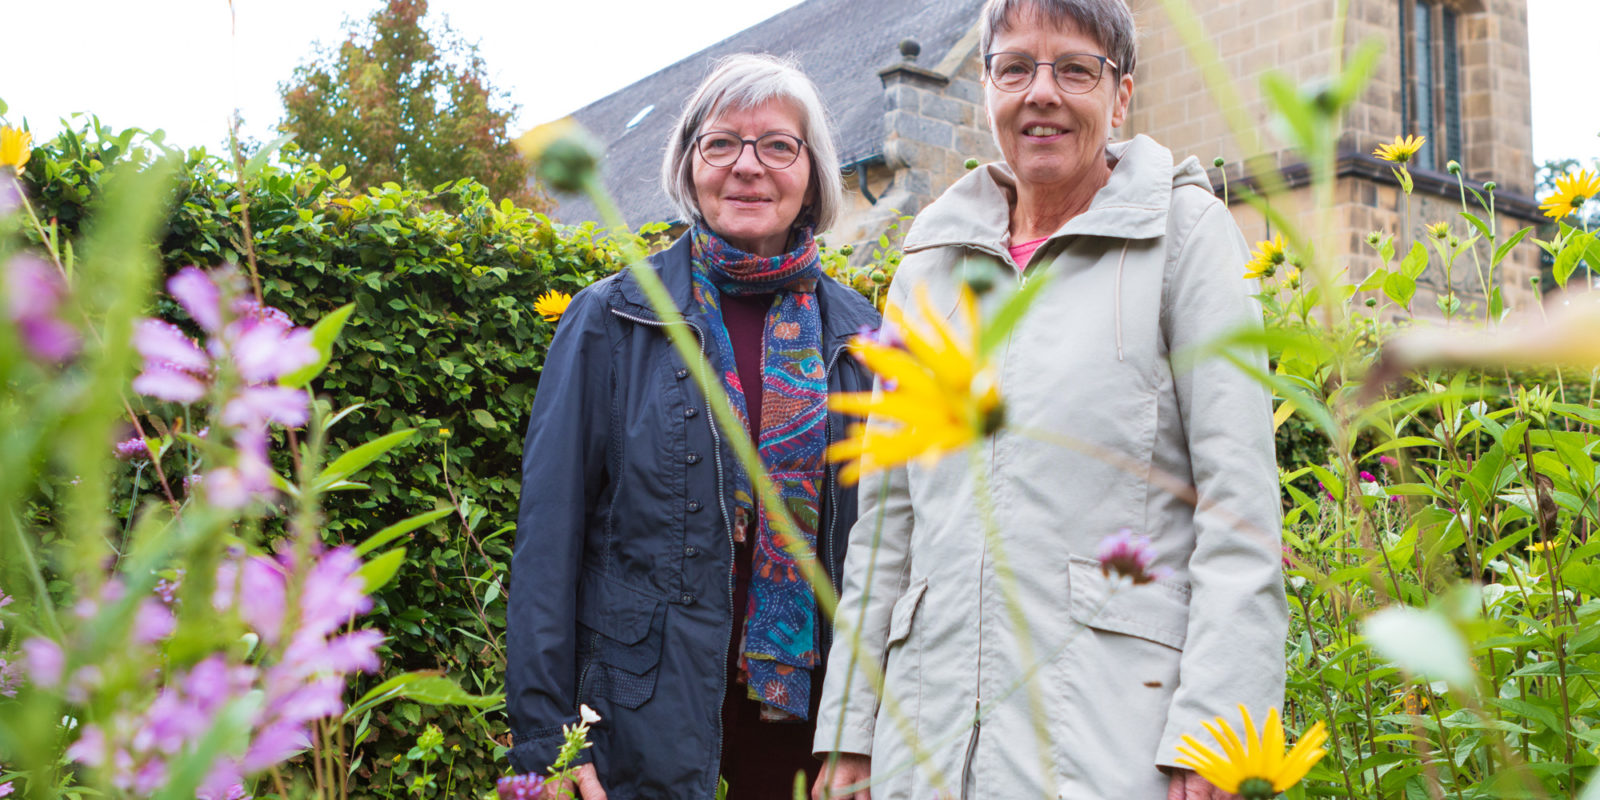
(1157, 611)
(905, 610)
(625, 649)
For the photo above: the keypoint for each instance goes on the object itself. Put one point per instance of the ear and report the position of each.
(1119, 107)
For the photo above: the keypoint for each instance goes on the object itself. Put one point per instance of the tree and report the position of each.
(398, 102)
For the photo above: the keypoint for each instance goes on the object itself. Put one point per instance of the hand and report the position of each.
(848, 770)
(1184, 784)
(587, 781)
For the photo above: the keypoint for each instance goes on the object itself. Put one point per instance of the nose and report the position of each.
(1043, 92)
(747, 163)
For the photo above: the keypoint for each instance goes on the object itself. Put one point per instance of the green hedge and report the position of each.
(443, 338)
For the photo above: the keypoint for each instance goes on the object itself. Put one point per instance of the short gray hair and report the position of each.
(745, 81)
(1109, 22)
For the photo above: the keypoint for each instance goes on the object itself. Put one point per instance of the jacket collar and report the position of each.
(843, 310)
(976, 210)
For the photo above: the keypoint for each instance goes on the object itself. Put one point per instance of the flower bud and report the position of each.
(1372, 302)
(564, 155)
(971, 163)
(979, 276)
(1218, 161)
(1454, 167)
(878, 276)
(847, 251)
(1489, 186)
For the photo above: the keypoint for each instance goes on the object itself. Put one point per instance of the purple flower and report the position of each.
(152, 622)
(249, 479)
(44, 661)
(261, 586)
(166, 382)
(34, 291)
(1368, 477)
(5, 600)
(256, 406)
(134, 449)
(272, 349)
(1388, 461)
(519, 787)
(199, 295)
(10, 200)
(1127, 556)
(333, 593)
(10, 678)
(161, 342)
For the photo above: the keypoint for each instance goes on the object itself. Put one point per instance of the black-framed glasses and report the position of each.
(1076, 73)
(774, 150)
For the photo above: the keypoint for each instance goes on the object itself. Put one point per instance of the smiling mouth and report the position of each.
(745, 199)
(1043, 130)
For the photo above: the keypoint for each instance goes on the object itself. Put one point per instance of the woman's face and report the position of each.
(1051, 138)
(751, 205)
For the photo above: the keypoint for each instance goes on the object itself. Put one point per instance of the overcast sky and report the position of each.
(174, 64)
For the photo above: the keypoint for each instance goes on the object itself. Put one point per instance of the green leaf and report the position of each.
(323, 335)
(1400, 288)
(1397, 443)
(1424, 643)
(1374, 281)
(483, 418)
(1011, 313)
(1569, 257)
(257, 162)
(425, 686)
(1415, 261)
(401, 528)
(1505, 247)
(354, 461)
(1483, 227)
(377, 573)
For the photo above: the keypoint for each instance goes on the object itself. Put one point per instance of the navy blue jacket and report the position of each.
(622, 576)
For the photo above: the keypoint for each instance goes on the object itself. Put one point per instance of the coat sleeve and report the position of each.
(875, 572)
(1238, 615)
(563, 471)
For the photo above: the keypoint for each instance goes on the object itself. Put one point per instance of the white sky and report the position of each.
(173, 64)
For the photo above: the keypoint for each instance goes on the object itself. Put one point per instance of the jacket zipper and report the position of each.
(727, 525)
(833, 500)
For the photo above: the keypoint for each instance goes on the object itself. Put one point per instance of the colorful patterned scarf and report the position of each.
(778, 647)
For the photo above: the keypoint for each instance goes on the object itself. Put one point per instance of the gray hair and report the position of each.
(1109, 22)
(745, 81)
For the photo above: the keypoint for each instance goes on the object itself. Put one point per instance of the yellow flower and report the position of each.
(937, 395)
(1269, 255)
(552, 304)
(1439, 230)
(444, 433)
(16, 147)
(1401, 150)
(1256, 767)
(1540, 547)
(1572, 191)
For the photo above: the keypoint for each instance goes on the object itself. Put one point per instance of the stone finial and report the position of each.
(909, 49)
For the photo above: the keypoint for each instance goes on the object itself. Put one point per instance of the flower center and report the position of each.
(1256, 789)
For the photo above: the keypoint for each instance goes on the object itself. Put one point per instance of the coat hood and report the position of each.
(975, 211)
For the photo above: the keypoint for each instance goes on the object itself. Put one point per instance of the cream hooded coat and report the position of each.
(1152, 268)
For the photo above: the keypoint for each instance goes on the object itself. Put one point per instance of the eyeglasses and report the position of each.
(1076, 73)
(774, 150)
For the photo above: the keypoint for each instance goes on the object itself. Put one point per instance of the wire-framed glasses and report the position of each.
(1076, 73)
(774, 150)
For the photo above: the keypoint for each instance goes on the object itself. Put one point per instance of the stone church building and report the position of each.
(902, 79)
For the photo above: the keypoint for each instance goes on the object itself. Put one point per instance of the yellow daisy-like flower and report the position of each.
(1269, 255)
(552, 304)
(16, 147)
(1439, 230)
(1256, 767)
(1572, 191)
(1540, 547)
(1401, 150)
(937, 394)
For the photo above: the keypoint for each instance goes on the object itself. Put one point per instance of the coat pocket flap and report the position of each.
(1157, 611)
(905, 609)
(614, 609)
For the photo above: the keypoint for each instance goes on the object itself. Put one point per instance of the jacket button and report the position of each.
(692, 458)
(681, 374)
(686, 599)
(693, 505)
(691, 551)
(688, 411)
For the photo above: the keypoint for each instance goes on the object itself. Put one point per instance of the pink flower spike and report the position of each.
(1388, 461)
(168, 383)
(333, 593)
(1125, 555)
(1368, 477)
(49, 339)
(199, 296)
(270, 350)
(32, 286)
(164, 343)
(519, 787)
(257, 406)
(135, 449)
(153, 622)
(44, 661)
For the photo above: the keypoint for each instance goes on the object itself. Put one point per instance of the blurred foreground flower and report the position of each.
(1572, 191)
(551, 305)
(519, 787)
(1126, 557)
(936, 395)
(1255, 768)
(34, 292)
(564, 155)
(16, 147)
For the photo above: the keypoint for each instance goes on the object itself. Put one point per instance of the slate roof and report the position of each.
(841, 44)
